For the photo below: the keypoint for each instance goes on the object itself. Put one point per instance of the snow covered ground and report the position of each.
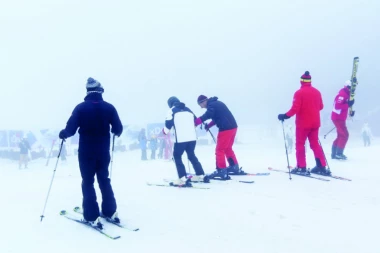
(272, 215)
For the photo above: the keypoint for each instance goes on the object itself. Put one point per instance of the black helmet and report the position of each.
(172, 100)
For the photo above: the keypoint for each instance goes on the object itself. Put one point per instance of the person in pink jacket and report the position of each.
(339, 115)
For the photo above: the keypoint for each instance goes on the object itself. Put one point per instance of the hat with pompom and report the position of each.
(306, 78)
(94, 86)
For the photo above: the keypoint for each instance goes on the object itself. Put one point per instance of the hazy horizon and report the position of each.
(249, 54)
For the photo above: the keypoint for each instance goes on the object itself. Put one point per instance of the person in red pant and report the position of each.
(221, 117)
(339, 116)
(307, 104)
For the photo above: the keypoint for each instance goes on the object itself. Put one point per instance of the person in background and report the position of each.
(153, 146)
(24, 151)
(339, 115)
(94, 117)
(143, 142)
(366, 135)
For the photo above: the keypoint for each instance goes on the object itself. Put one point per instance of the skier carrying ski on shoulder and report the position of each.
(221, 117)
(182, 119)
(339, 115)
(94, 117)
(307, 104)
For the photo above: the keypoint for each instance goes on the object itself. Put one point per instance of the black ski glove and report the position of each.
(351, 102)
(283, 117)
(63, 134)
(352, 114)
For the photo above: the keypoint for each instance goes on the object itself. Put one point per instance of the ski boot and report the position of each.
(114, 218)
(219, 174)
(319, 169)
(182, 182)
(339, 154)
(200, 178)
(234, 169)
(333, 152)
(300, 171)
(96, 223)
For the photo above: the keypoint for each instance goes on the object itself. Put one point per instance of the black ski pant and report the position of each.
(91, 165)
(143, 155)
(188, 147)
(153, 154)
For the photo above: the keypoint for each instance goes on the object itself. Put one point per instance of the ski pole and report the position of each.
(51, 183)
(327, 163)
(113, 148)
(328, 133)
(286, 150)
(210, 133)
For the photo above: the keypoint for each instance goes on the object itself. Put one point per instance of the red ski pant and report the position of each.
(312, 134)
(342, 134)
(224, 148)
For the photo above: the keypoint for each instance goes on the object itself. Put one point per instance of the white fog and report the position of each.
(251, 55)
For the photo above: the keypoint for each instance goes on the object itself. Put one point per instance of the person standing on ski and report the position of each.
(94, 117)
(307, 104)
(339, 114)
(182, 119)
(221, 117)
(24, 151)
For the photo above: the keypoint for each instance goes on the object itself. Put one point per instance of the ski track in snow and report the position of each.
(272, 215)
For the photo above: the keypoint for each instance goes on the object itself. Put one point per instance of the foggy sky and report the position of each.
(250, 54)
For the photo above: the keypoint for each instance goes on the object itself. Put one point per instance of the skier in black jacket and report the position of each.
(93, 117)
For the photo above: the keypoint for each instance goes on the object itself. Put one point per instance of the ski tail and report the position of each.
(102, 231)
(354, 83)
(79, 210)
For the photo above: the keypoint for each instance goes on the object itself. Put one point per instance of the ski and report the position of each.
(65, 214)
(232, 180)
(171, 185)
(242, 174)
(333, 176)
(251, 174)
(309, 176)
(354, 83)
(79, 210)
(219, 180)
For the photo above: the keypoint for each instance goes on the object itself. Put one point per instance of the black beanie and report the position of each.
(172, 101)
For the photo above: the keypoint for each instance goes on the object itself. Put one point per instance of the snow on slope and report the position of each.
(272, 215)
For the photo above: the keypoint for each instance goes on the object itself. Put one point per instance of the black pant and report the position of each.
(91, 165)
(189, 147)
(153, 154)
(143, 155)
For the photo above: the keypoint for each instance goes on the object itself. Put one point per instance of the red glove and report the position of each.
(198, 121)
